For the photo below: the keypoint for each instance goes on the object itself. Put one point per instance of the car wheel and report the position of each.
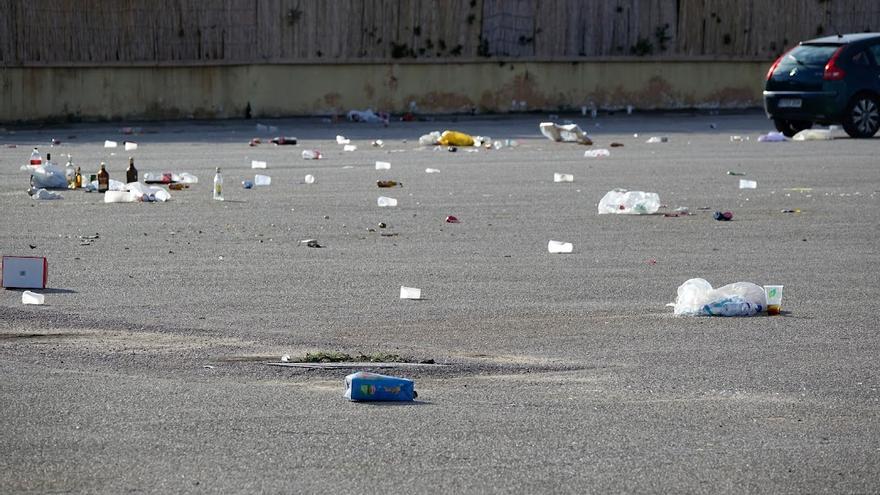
(862, 117)
(791, 127)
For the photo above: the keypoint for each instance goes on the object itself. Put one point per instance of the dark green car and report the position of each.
(833, 80)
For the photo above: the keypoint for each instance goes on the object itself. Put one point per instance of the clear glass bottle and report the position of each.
(218, 186)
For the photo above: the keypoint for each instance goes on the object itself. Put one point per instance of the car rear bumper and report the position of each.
(813, 106)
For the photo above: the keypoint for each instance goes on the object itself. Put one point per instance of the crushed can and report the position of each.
(373, 386)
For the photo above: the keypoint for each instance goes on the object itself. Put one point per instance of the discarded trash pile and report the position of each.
(696, 297)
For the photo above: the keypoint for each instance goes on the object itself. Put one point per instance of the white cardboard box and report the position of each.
(25, 272)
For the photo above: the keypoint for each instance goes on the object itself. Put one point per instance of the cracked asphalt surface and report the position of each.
(145, 370)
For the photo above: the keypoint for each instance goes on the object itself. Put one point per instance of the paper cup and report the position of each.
(774, 298)
(410, 292)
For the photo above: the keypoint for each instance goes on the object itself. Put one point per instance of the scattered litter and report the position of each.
(364, 386)
(748, 184)
(129, 146)
(388, 183)
(349, 147)
(796, 210)
(731, 172)
(410, 292)
(262, 180)
(813, 135)
(557, 247)
(109, 144)
(119, 197)
(452, 149)
(723, 216)
(167, 178)
(247, 184)
(557, 177)
(285, 358)
(145, 193)
(679, 212)
(657, 139)
(385, 201)
(569, 133)
(47, 176)
(696, 297)
(258, 164)
(622, 201)
(309, 179)
(254, 142)
(452, 219)
(378, 143)
(28, 297)
(383, 166)
(773, 293)
(432, 171)
(601, 152)
(738, 139)
(368, 116)
(312, 243)
(616, 145)
(455, 138)
(284, 141)
(311, 155)
(772, 137)
(342, 140)
(208, 367)
(44, 194)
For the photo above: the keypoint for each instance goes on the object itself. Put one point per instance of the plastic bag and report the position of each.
(143, 192)
(430, 139)
(569, 133)
(368, 115)
(455, 138)
(772, 137)
(813, 135)
(626, 202)
(48, 177)
(696, 297)
(44, 194)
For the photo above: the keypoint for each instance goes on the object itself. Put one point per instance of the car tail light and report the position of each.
(832, 71)
(776, 64)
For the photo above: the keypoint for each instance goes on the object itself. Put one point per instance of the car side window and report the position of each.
(875, 49)
(861, 58)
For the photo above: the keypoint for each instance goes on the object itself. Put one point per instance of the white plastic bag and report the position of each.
(430, 139)
(696, 297)
(625, 202)
(48, 176)
(569, 133)
(813, 135)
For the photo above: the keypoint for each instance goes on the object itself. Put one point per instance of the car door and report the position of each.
(875, 51)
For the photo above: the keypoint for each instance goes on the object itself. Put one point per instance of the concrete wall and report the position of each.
(224, 91)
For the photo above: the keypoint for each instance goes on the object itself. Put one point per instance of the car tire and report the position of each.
(791, 127)
(862, 116)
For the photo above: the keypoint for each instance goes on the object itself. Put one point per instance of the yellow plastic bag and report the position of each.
(455, 138)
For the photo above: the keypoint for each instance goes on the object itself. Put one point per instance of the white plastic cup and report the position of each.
(383, 166)
(748, 184)
(774, 299)
(129, 146)
(386, 201)
(349, 147)
(28, 297)
(258, 164)
(558, 247)
(410, 292)
(310, 179)
(119, 197)
(557, 177)
(262, 180)
(109, 144)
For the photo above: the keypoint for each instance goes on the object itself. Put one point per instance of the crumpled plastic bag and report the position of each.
(115, 185)
(47, 176)
(368, 115)
(772, 137)
(813, 135)
(44, 194)
(625, 202)
(455, 138)
(430, 139)
(696, 297)
(569, 133)
(143, 192)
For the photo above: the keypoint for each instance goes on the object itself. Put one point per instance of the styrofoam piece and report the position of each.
(258, 164)
(109, 144)
(598, 153)
(349, 147)
(557, 247)
(28, 297)
(342, 140)
(557, 177)
(386, 201)
(129, 146)
(748, 184)
(432, 171)
(262, 180)
(383, 166)
(410, 292)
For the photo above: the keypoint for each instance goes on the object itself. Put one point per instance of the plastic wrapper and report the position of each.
(364, 386)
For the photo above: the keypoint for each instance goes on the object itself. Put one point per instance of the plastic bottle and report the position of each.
(311, 155)
(218, 186)
(69, 172)
(131, 173)
(36, 158)
(103, 179)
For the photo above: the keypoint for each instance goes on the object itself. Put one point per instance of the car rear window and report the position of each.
(809, 55)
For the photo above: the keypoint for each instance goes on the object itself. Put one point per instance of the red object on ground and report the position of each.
(451, 219)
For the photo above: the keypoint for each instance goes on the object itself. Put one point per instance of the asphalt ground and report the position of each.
(145, 370)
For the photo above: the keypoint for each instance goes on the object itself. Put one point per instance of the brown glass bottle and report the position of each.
(131, 173)
(103, 179)
(388, 183)
(78, 179)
